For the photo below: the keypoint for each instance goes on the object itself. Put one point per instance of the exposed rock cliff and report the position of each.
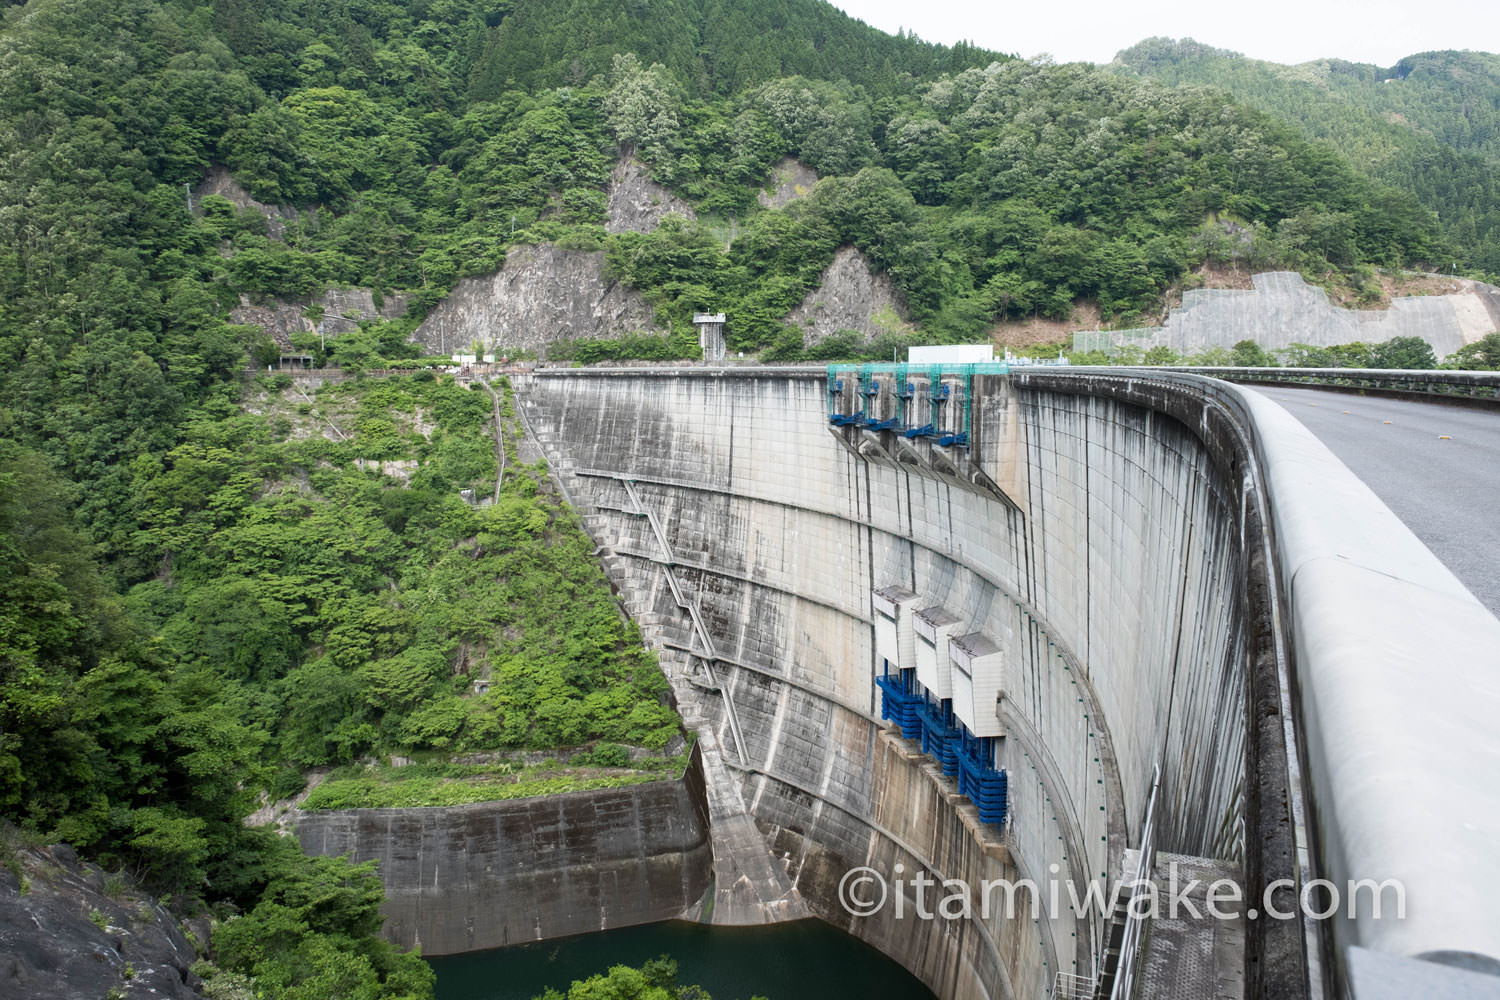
(69, 930)
(1283, 309)
(542, 294)
(851, 297)
(343, 308)
(636, 202)
(219, 181)
(790, 180)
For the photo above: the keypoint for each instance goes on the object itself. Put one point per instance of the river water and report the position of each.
(790, 961)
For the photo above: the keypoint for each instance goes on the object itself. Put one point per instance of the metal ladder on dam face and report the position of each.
(708, 655)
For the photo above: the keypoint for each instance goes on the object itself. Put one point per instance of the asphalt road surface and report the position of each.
(1436, 466)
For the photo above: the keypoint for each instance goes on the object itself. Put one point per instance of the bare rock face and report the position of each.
(219, 181)
(851, 297)
(637, 204)
(542, 294)
(68, 930)
(343, 308)
(790, 180)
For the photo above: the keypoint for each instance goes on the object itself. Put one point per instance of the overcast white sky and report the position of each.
(1284, 31)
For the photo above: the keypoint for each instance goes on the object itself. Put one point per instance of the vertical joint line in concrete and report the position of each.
(911, 535)
(1187, 546)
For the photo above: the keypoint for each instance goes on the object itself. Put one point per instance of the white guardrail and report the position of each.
(1398, 669)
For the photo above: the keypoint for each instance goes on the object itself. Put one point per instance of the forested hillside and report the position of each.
(712, 46)
(209, 584)
(1429, 125)
(296, 583)
(1008, 190)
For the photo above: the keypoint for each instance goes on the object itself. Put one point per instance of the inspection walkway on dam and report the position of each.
(1436, 466)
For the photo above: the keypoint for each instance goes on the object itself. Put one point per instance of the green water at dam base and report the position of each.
(806, 958)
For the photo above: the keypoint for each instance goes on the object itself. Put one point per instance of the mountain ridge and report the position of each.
(1430, 124)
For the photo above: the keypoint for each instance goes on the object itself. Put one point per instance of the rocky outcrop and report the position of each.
(343, 308)
(220, 182)
(790, 180)
(542, 294)
(850, 297)
(1283, 309)
(69, 930)
(637, 204)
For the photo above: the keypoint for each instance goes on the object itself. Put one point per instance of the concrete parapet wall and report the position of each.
(466, 878)
(1397, 665)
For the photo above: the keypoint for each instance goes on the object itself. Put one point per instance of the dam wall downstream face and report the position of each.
(1096, 543)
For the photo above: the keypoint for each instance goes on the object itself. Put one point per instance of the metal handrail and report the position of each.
(1134, 921)
(695, 615)
(1067, 986)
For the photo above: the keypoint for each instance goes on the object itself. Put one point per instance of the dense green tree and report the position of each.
(1403, 352)
(717, 47)
(655, 980)
(1483, 354)
(312, 934)
(52, 615)
(1249, 354)
(643, 108)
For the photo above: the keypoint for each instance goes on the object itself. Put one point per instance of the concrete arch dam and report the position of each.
(955, 621)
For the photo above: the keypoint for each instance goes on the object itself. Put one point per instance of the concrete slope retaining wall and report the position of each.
(1284, 309)
(1097, 540)
(466, 878)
